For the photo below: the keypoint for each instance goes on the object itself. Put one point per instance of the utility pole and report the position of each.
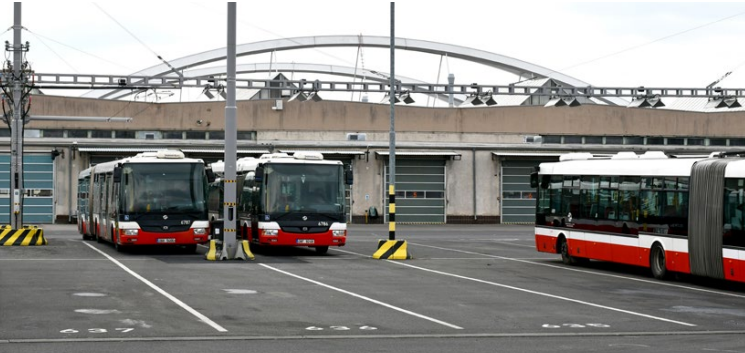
(17, 119)
(392, 141)
(229, 183)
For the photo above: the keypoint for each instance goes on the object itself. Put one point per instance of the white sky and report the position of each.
(561, 36)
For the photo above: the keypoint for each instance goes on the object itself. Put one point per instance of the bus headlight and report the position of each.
(131, 232)
(200, 231)
(339, 233)
(271, 232)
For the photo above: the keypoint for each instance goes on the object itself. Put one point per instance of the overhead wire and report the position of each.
(138, 39)
(647, 43)
(39, 36)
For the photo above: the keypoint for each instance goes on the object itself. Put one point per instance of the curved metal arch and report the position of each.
(334, 70)
(498, 61)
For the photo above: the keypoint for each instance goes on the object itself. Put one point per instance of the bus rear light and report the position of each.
(200, 231)
(339, 233)
(130, 232)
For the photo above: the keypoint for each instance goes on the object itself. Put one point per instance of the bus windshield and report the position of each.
(163, 188)
(307, 188)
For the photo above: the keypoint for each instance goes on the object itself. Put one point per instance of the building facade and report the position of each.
(453, 165)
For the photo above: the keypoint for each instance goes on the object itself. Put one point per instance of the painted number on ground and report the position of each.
(576, 325)
(97, 330)
(341, 328)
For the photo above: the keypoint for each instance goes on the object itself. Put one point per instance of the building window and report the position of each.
(101, 134)
(593, 140)
(717, 142)
(173, 135)
(737, 142)
(572, 139)
(634, 140)
(551, 139)
(195, 135)
(614, 140)
(53, 133)
(77, 133)
(124, 134)
(216, 135)
(4, 132)
(655, 140)
(675, 141)
(247, 135)
(691, 141)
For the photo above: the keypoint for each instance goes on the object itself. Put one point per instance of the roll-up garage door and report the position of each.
(38, 183)
(518, 198)
(420, 191)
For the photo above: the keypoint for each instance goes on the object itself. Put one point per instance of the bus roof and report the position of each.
(624, 163)
(249, 164)
(85, 173)
(628, 163)
(166, 156)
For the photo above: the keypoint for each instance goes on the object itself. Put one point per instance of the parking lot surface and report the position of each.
(468, 288)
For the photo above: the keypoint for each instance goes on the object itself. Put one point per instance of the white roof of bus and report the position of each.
(146, 157)
(248, 164)
(735, 169)
(641, 167)
(85, 173)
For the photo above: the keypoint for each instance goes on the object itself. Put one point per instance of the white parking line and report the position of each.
(199, 315)
(364, 298)
(542, 294)
(659, 283)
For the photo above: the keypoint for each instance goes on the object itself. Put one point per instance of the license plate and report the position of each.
(305, 241)
(167, 240)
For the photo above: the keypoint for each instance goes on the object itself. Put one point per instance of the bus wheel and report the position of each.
(322, 249)
(657, 262)
(115, 240)
(564, 249)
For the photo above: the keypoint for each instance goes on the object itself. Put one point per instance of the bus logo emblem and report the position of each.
(305, 218)
(165, 227)
(165, 216)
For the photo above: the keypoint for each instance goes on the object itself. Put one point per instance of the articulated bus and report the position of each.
(288, 200)
(153, 198)
(83, 211)
(681, 215)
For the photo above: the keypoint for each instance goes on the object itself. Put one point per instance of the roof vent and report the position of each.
(274, 155)
(578, 156)
(170, 154)
(625, 155)
(654, 155)
(308, 155)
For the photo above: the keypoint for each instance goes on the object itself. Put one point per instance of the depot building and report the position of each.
(453, 165)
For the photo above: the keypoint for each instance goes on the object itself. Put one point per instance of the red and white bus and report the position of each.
(153, 198)
(83, 211)
(669, 214)
(285, 200)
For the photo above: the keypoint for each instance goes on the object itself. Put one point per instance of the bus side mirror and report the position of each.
(534, 180)
(210, 175)
(117, 174)
(259, 175)
(349, 176)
